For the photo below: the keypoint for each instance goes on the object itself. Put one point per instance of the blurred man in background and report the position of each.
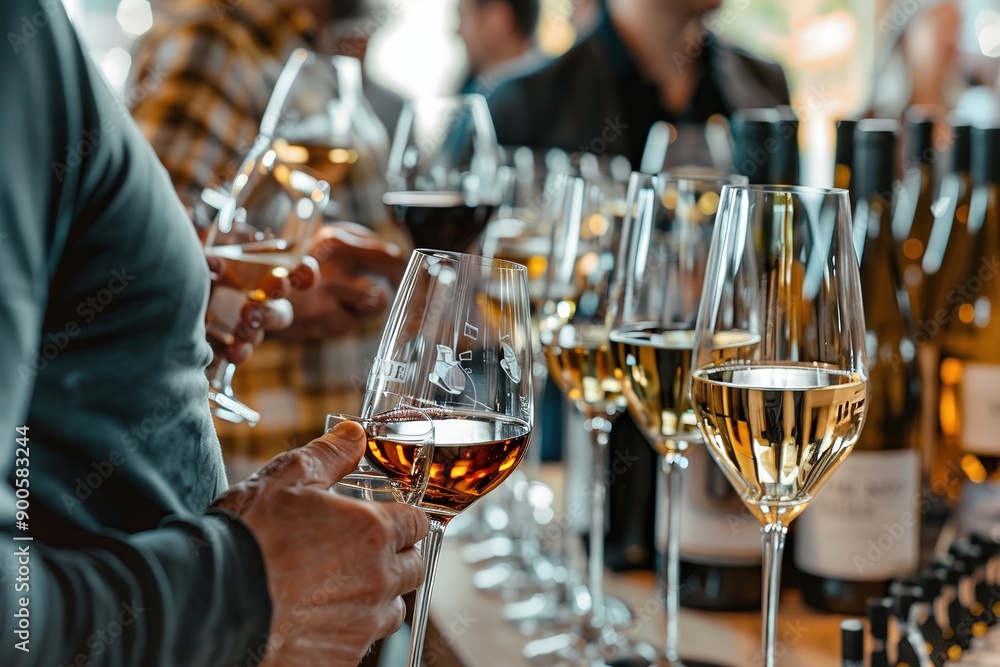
(499, 37)
(201, 80)
(646, 61)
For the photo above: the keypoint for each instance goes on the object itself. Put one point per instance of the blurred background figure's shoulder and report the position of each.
(527, 109)
(746, 80)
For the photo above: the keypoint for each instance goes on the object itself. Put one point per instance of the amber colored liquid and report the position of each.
(249, 266)
(473, 454)
(330, 163)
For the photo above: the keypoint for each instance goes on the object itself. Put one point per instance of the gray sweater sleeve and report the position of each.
(191, 591)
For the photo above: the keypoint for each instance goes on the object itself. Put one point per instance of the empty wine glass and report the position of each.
(783, 408)
(442, 174)
(456, 350)
(262, 232)
(669, 218)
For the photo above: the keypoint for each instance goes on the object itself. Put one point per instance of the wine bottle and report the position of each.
(908, 610)
(843, 157)
(879, 610)
(862, 530)
(784, 165)
(753, 144)
(914, 218)
(943, 266)
(969, 370)
(852, 643)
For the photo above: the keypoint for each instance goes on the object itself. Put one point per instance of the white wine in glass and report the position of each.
(779, 417)
(669, 222)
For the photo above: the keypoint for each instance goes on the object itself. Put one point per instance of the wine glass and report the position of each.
(262, 232)
(520, 232)
(574, 336)
(318, 116)
(442, 174)
(784, 403)
(669, 218)
(456, 350)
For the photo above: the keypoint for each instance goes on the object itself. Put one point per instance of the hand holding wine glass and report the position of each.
(262, 233)
(780, 416)
(456, 353)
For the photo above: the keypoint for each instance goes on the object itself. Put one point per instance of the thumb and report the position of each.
(327, 459)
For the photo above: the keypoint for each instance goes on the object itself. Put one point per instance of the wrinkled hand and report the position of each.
(336, 566)
(354, 266)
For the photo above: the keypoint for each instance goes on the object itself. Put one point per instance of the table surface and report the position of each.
(473, 634)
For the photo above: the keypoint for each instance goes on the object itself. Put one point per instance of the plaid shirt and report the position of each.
(199, 84)
(202, 77)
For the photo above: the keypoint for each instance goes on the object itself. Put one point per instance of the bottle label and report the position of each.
(716, 527)
(864, 523)
(981, 408)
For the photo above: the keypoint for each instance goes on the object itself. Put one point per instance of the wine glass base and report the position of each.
(231, 410)
(542, 611)
(571, 650)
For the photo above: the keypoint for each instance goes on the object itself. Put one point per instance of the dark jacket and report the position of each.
(593, 98)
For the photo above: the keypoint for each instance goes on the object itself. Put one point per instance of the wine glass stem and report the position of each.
(674, 466)
(773, 539)
(222, 379)
(430, 550)
(600, 429)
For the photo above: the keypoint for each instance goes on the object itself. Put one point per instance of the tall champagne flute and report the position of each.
(670, 218)
(262, 232)
(442, 173)
(574, 337)
(779, 416)
(457, 349)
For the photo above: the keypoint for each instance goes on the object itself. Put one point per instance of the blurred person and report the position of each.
(201, 80)
(111, 462)
(499, 38)
(920, 62)
(646, 61)
(202, 76)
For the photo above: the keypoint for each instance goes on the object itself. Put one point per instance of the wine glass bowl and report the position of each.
(456, 351)
(780, 414)
(442, 170)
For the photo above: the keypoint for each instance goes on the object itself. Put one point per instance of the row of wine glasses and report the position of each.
(778, 372)
(752, 341)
